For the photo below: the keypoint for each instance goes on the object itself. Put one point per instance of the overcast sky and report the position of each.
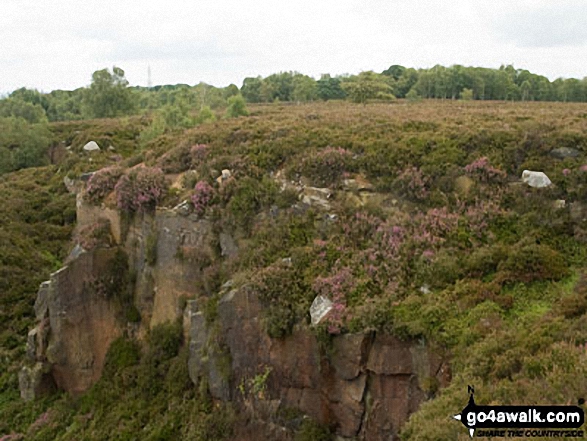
(58, 44)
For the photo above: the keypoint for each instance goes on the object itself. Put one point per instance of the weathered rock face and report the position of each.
(364, 386)
(167, 252)
(76, 322)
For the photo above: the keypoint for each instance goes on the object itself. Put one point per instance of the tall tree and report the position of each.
(366, 86)
(109, 95)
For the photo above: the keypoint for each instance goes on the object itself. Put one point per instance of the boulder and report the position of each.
(316, 197)
(91, 146)
(35, 381)
(564, 152)
(183, 208)
(536, 179)
(225, 175)
(319, 309)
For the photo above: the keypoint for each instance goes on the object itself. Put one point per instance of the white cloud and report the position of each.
(58, 44)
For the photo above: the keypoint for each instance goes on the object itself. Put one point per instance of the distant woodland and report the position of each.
(25, 113)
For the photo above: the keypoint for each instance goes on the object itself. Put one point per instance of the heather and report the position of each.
(438, 241)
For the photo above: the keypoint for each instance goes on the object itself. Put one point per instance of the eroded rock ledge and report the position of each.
(363, 386)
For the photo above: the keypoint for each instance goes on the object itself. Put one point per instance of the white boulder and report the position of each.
(91, 146)
(320, 308)
(535, 179)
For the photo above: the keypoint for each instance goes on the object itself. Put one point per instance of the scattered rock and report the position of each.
(320, 308)
(536, 179)
(85, 177)
(41, 310)
(228, 246)
(559, 203)
(564, 152)
(425, 289)
(316, 197)
(225, 175)
(77, 251)
(183, 208)
(359, 183)
(91, 146)
(70, 184)
(34, 381)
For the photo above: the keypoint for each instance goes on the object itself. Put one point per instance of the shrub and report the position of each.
(236, 107)
(412, 184)
(198, 153)
(176, 160)
(282, 289)
(121, 354)
(336, 287)
(482, 170)
(247, 196)
(533, 262)
(326, 167)
(141, 189)
(102, 183)
(205, 115)
(202, 197)
(310, 430)
(165, 340)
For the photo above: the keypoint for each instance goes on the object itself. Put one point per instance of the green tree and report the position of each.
(230, 90)
(328, 88)
(467, 94)
(22, 144)
(251, 89)
(32, 113)
(304, 88)
(396, 71)
(236, 107)
(367, 85)
(109, 95)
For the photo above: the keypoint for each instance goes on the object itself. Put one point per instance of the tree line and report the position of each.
(25, 113)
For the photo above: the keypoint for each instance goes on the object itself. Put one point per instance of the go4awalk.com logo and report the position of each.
(521, 421)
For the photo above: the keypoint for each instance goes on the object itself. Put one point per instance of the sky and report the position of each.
(58, 44)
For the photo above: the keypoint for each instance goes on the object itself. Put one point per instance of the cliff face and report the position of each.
(361, 385)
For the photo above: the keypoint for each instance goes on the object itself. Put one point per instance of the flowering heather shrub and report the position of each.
(102, 183)
(141, 189)
(176, 160)
(482, 170)
(198, 153)
(327, 167)
(480, 215)
(433, 227)
(412, 184)
(202, 197)
(336, 288)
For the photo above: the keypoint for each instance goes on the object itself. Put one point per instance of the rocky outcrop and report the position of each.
(564, 152)
(364, 385)
(76, 322)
